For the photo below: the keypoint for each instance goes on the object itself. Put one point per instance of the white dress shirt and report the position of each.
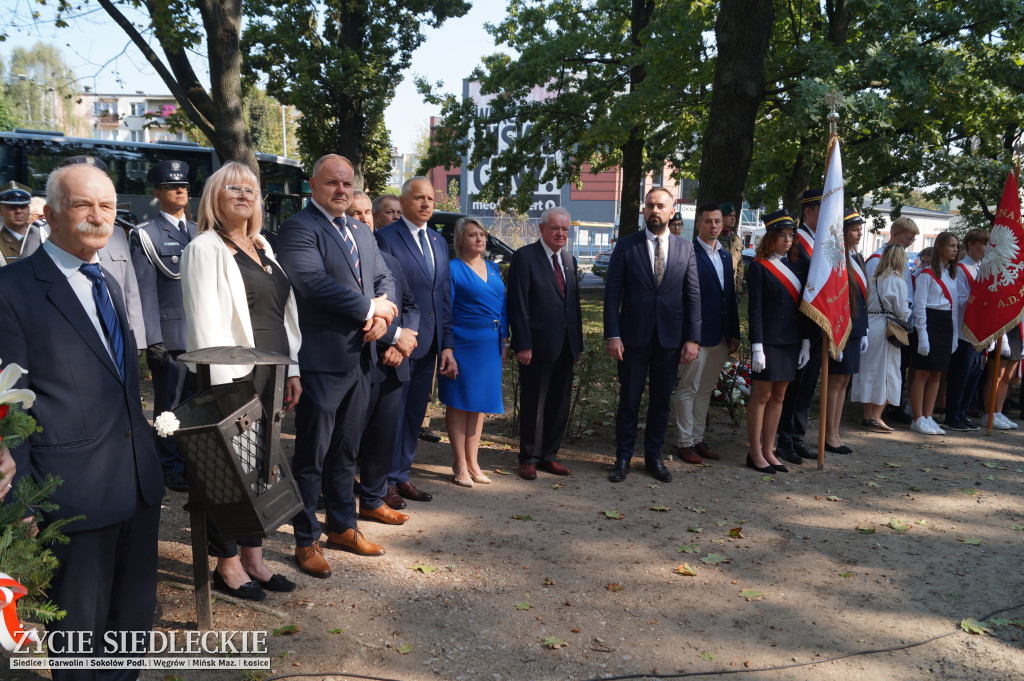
(17, 236)
(716, 259)
(928, 294)
(70, 267)
(173, 220)
(549, 253)
(415, 232)
(963, 287)
(348, 235)
(651, 239)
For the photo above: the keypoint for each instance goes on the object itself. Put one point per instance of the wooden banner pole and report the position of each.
(823, 408)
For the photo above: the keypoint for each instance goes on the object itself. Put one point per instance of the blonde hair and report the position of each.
(903, 225)
(892, 261)
(460, 232)
(232, 172)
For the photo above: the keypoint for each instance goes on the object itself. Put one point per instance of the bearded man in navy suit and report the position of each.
(343, 291)
(651, 323)
(64, 322)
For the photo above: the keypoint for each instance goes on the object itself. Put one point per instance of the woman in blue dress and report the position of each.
(481, 337)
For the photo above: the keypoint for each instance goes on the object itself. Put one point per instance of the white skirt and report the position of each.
(879, 380)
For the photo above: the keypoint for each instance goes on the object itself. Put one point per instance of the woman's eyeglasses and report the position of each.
(235, 190)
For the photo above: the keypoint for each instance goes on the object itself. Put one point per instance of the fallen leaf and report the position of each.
(846, 575)
(998, 622)
(922, 521)
(865, 529)
(971, 492)
(335, 631)
(721, 523)
(287, 630)
(692, 548)
(614, 515)
(882, 477)
(989, 464)
(926, 470)
(686, 569)
(751, 595)
(652, 486)
(1018, 623)
(698, 509)
(713, 558)
(989, 477)
(893, 465)
(973, 626)
(659, 508)
(872, 483)
(710, 657)
(548, 581)
(768, 478)
(973, 541)
(1019, 528)
(552, 642)
(405, 650)
(522, 517)
(523, 605)
(898, 525)
(502, 472)
(914, 489)
(695, 530)
(834, 498)
(558, 485)
(615, 587)
(736, 533)
(423, 568)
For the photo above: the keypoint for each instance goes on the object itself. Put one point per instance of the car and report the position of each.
(600, 266)
(443, 223)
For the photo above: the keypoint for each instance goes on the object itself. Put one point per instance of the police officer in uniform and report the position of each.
(156, 247)
(14, 209)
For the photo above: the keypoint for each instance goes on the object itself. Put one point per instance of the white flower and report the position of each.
(166, 424)
(11, 374)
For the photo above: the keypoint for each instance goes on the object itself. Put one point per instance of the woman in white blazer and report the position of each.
(235, 294)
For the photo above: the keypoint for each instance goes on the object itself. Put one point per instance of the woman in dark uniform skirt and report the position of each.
(934, 312)
(1011, 349)
(840, 372)
(774, 289)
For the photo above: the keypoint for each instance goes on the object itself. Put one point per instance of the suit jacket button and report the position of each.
(431, 314)
(128, 434)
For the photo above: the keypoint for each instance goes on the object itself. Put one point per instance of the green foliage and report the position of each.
(38, 89)
(16, 426)
(23, 553)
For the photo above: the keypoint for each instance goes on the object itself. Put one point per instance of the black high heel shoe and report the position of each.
(770, 469)
(779, 467)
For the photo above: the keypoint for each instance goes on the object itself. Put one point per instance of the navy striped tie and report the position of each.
(108, 316)
(351, 243)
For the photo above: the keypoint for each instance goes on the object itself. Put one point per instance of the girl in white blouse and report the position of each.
(935, 308)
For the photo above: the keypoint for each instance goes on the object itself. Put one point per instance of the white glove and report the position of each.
(841, 353)
(863, 345)
(923, 348)
(1004, 349)
(991, 346)
(757, 359)
(805, 354)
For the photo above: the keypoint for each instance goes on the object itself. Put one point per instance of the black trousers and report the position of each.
(544, 393)
(640, 365)
(797, 403)
(172, 385)
(377, 444)
(965, 369)
(106, 581)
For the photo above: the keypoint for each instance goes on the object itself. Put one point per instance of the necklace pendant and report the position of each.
(266, 268)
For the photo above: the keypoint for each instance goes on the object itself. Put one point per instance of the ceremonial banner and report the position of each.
(996, 302)
(827, 292)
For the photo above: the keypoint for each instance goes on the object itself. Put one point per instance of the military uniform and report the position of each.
(12, 194)
(732, 243)
(156, 246)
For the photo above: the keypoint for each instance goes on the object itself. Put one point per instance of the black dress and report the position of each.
(266, 293)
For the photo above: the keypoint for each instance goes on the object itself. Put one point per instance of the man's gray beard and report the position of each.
(90, 229)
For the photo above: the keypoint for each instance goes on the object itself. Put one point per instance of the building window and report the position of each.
(137, 135)
(138, 109)
(104, 108)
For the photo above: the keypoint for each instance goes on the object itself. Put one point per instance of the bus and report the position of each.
(29, 156)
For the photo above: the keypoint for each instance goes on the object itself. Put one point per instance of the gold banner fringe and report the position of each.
(980, 345)
(816, 316)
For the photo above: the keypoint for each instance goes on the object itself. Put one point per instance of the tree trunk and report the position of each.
(223, 20)
(799, 178)
(742, 30)
(633, 149)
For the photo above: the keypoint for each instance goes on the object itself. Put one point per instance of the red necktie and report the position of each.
(558, 273)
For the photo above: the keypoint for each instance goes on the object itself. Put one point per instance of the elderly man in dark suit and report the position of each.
(423, 255)
(64, 321)
(719, 335)
(651, 322)
(156, 247)
(547, 333)
(343, 291)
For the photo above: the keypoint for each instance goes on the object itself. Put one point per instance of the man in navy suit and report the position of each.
(343, 292)
(719, 335)
(547, 333)
(423, 255)
(651, 322)
(156, 247)
(64, 321)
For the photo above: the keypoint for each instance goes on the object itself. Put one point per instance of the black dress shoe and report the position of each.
(801, 450)
(790, 457)
(249, 591)
(176, 482)
(278, 583)
(842, 449)
(393, 499)
(765, 469)
(779, 468)
(411, 491)
(427, 435)
(656, 467)
(619, 472)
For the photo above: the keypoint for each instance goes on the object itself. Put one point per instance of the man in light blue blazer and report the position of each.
(343, 292)
(423, 255)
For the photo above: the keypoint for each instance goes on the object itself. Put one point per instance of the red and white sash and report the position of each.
(966, 271)
(859, 276)
(938, 280)
(806, 241)
(785, 277)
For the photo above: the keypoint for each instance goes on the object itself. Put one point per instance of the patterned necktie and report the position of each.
(108, 316)
(351, 245)
(558, 273)
(184, 230)
(425, 245)
(659, 262)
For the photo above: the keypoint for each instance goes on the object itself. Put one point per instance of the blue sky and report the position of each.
(103, 57)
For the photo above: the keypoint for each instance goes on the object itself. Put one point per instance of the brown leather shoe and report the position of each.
(553, 467)
(393, 499)
(703, 450)
(410, 491)
(311, 560)
(354, 541)
(688, 455)
(383, 514)
(527, 471)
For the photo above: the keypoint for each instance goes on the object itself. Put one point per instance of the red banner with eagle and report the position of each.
(996, 302)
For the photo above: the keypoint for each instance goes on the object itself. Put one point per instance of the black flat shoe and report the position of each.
(278, 583)
(801, 450)
(249, 591)
(779, 467)
(790, 457)
(770, 469)
(842, 449)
